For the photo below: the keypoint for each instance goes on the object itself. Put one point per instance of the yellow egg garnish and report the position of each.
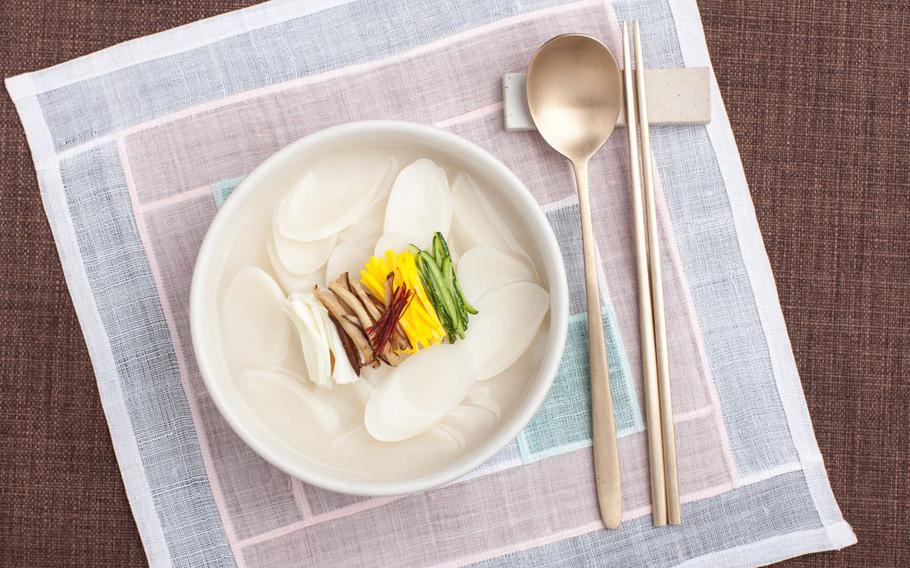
(419, 321)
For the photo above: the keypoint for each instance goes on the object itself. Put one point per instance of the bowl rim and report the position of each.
(512, 189)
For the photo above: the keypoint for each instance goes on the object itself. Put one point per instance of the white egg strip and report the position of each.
(420, 203)
(313, 336)
(482, 270)
(319, 341)
(310, 213)
(255, 329)
(346, 258)
(342, 372)
(421, 391)
(507, 321)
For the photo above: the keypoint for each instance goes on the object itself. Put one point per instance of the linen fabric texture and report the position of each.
(137, 146)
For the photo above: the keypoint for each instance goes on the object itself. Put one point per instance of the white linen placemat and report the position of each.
(135, 148)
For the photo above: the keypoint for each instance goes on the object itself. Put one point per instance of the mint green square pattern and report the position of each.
(563, 422)
(221, 190)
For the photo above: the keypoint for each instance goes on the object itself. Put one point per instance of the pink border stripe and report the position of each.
(207, 189)
(575, 531)
(471, 115)
(352, 69)
(568, 533)
(334, 515)
(300, 498)
(174, 198)
(204, 448)
(534, 543)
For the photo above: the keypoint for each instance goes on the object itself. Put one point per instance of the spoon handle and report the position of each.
(606, 453)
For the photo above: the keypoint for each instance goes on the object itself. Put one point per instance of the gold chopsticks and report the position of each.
(652, 324)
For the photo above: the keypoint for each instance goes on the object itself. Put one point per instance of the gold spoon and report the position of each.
(574, 94)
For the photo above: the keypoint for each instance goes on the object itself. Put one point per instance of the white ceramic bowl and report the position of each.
(493, 176)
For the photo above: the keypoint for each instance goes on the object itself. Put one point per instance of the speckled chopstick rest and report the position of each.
(675, 96)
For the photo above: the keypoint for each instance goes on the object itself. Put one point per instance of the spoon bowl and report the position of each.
(574, 94)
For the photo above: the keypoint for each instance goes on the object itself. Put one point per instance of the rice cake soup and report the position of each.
(378, 312)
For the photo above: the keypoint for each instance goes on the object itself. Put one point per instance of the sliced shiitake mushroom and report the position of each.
(401, 338)
(368, 301)
(353, 311)
(348, 325)
(351, 302)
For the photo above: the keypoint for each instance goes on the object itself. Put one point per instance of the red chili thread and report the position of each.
(381, 332)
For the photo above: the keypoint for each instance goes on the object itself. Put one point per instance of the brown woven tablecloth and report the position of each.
(819, 96)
